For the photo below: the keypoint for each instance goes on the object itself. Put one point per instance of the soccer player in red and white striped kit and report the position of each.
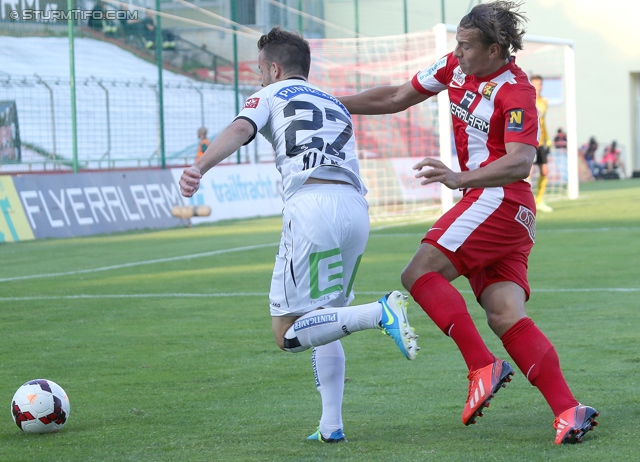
(488, 235)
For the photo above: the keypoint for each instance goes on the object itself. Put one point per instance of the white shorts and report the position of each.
(325, 228)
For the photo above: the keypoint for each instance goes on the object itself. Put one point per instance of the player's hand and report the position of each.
(190, 181)
(437, 172)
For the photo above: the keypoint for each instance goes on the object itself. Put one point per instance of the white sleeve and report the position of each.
(430, 78)
(256, 110)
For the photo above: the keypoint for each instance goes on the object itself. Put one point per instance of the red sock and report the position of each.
(536, 357)
(447, 309)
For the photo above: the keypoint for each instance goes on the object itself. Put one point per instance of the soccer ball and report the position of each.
(40, 406)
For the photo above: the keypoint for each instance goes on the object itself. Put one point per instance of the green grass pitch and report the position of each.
(162, 341)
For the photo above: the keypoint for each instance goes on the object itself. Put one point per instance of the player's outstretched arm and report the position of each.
(226, 143)
(515, 166)
(386, 99)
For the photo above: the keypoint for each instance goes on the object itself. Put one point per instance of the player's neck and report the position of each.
(493, 68)
(294, 77)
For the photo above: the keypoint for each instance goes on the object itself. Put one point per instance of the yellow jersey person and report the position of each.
(543, 146)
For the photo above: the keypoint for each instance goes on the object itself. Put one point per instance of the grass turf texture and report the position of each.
(174, 359)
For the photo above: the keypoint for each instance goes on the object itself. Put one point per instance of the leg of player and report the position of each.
(325, 325)
(536, 357)
(328, 363)
(542, 187)
(427, 278)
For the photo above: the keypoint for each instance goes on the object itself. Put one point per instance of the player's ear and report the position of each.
(495, 50)
(278, 71)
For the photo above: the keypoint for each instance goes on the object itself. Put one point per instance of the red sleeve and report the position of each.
(521, 117)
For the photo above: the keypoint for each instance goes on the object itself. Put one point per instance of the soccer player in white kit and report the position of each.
(325, 223)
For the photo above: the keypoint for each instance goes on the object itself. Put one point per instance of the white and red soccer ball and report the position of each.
(40, 406)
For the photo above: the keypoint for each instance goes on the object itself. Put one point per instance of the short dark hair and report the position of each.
(498, 22)
(535, 77)
(289, 49)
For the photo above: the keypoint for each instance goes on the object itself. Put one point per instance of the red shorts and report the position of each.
(488, 235)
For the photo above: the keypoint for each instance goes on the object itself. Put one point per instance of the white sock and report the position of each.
(328, 367)
(326, 325)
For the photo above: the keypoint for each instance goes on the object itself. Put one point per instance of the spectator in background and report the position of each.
(94, 22)
(137, 28)
(560, 141)
(168, 39)
(145, 29)
(203, 142)
(611, 160)
(588, 152)
(98, 20)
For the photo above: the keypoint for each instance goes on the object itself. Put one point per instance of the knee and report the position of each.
(290, 344)
(408, 278)
(500, 323)
(497, 323)
(280, 326)
(279, 341)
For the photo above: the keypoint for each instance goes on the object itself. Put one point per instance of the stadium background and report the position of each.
(209, 69)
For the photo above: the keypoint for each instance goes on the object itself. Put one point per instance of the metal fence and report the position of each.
(75, 94)
(118, 122)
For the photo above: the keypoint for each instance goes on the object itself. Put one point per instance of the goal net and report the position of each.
(389, 145)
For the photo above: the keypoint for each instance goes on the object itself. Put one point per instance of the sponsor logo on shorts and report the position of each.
(516, 120)
(316, 320)
(487, 91)
(251, 103)
(275, 304)
(345, 330)
(527, 219)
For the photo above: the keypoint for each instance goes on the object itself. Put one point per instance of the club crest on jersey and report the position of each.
(251, 103)
(458, 76)
(487, 91)
(516, 120)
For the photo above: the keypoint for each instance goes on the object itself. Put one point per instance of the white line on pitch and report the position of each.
(263, 294)
(139, 263)
(562, 230)
(251, 247)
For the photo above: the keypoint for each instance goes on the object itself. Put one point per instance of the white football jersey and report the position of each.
(311, 133)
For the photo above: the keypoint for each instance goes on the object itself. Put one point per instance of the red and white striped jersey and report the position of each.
(487, 112)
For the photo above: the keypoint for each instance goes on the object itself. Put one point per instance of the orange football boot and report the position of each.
(572, 424)
(483, 386)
